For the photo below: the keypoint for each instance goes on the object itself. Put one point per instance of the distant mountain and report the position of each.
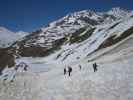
(80, 32)
(8, 37)
(22, 34)
(75, 36)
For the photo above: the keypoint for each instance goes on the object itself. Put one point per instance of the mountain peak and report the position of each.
(3, 28)
(118, 9)
(118, 12)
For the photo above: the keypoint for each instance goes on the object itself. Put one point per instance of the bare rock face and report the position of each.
(7, 59)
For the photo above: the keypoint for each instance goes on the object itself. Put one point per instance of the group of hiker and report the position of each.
(69, 69)
(22, 65)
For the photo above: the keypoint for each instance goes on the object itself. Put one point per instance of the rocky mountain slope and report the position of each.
(78, 34)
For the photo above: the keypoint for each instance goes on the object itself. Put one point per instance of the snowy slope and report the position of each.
(112, 81)
(98, 40)
(105, 38)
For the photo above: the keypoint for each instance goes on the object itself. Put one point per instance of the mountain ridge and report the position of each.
(76, 36)
(70, 26)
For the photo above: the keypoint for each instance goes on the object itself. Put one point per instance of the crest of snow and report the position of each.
(118, 12)
(22, 34)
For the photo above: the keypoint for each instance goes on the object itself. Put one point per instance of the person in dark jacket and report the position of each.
(69, 70)
(16, 67)
(95, 67)
(64, 71)
(80, 67)
(25, 67)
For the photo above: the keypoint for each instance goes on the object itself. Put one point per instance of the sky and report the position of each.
(30, 15)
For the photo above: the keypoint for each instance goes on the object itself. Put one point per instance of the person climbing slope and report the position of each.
(95, 67)
(64, 71)
(80, 67)
(69, 70)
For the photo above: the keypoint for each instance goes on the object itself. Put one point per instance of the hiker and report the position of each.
(69, 70)
(16, 67)
(95, 67)
(64, 71)
(22, 65)
(25, 67)
(80, 67)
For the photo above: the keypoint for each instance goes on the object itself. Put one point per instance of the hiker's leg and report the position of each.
(94, 69)
(69, 73)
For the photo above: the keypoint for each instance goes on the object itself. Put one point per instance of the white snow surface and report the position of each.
(112, 81)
